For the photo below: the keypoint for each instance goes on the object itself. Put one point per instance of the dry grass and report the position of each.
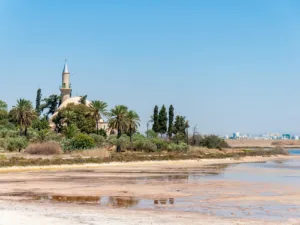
(96, 152)
(47, 148)
(203, 150)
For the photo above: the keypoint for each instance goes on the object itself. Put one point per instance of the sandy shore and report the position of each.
(240, 143)
(198, 162)
(21, 214)
(156, 192)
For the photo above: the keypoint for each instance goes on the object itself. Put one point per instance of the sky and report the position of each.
(228, 66)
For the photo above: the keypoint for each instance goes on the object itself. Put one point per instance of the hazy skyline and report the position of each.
(226, 65)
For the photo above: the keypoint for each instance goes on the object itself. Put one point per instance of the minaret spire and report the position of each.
(66, 85)
(66, 67)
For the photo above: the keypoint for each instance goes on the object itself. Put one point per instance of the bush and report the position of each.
(213, 141)
(70, 131)
(178, 147)
(47, 148)
(41, 124)
(98, 139)
(160, 144)
(144, 144)
(103, 133)
(82, 141)
(151, 134)
(3, 144)
(66, 144)
(6, 133)
(14, 144)
(123, 141)
(52, 136)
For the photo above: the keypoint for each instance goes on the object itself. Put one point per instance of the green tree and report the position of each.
(118, 120)
(162, 120)
(155, 126)
(3, 105)
(83, 100)
(51, 103)
(41, 124)
(133, 123)
(23, 114)
(98, 109)
(179, 125)
(70, 131)
(38, 101)
(80, 115)
(171, 121)
(3, 113)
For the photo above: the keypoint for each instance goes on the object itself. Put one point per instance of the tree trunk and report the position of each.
(21, 129)
(97, 127)
(25, 132)
(130, 134)
(118, 145)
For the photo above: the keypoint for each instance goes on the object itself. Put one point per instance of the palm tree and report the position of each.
(118, 120)
(133, 123)
(69, 116)
(98, 109)
(23, 113)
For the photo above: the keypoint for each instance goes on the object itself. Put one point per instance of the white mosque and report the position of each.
(66, 99)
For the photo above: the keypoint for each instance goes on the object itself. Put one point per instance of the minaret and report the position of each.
(66, 86)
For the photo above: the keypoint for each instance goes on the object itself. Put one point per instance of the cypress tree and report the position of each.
(179, 125)
(38, 101)
(162, 120)
(171, 120)
(155, 126)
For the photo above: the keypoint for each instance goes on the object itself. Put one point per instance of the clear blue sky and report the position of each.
(225, 65)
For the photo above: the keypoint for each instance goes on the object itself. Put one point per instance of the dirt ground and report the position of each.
(263, 143)
(166, 192)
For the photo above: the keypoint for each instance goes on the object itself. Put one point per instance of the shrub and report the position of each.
(46, 148)
(14, 144)
(3, 144)
(41, 124)
(70, 131)
(52, 136)
(123, 141)
(151, 134)
(103, 133)
(6, 133)
(98, 139)
(213, 141)
(42, 135)
(178, 147)
(66, 144)
(160, 144)
(82, 141)
(144, 144)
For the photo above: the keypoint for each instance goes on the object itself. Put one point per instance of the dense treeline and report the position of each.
(76, 126)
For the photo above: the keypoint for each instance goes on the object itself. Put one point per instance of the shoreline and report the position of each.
(187, 162)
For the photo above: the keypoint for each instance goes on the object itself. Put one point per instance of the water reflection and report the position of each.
(164, 201)
(112, 201)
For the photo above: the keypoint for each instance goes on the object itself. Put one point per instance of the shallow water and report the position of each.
(214, 190)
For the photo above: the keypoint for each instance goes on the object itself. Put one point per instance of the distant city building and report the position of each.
(286, 136)
(236, 135)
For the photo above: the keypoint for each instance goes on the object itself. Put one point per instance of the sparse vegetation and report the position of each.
(46, 148)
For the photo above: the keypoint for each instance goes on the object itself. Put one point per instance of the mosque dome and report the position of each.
(74, 100)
